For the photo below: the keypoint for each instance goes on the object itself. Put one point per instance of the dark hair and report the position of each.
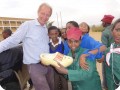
(74, 23)
(114, 24)
(54, 28)
(88, 28)
(8, 31)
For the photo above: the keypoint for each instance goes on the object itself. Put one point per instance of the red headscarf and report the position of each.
(74, 33)
(107, 18)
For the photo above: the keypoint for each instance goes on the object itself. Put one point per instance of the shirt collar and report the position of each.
(59, 41)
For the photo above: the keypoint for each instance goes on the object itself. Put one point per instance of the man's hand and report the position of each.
(83, 63)
(61, 69)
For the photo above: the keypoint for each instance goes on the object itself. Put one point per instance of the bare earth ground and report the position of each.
(97, 36)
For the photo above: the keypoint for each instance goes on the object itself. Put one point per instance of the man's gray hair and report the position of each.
(45, 4)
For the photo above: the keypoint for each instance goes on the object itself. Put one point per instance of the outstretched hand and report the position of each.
(83, 63)
(61, 69)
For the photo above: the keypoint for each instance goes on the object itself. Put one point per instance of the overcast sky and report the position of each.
(90, 11)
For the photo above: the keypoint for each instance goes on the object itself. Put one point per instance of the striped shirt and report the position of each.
(35, 41)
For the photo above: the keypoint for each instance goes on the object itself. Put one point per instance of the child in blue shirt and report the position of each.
(56, 45)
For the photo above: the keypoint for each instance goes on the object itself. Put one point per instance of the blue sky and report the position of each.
(90, 11)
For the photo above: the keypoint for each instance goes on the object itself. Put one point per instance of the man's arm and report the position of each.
(14, 39)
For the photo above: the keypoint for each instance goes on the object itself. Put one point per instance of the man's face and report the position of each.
(44, 14)
(116, 33)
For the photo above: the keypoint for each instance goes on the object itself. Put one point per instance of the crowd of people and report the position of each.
(73, 40)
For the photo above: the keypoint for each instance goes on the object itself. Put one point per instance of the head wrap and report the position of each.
(107, 18)
(74, 33)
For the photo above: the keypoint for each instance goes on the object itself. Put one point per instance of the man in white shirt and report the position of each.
(34, 36)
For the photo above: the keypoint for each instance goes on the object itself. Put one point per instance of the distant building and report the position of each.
(11, 23)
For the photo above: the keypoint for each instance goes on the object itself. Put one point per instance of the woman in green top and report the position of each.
(112, 67)
(81, 79)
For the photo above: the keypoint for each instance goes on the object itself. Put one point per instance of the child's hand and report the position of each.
(83, 63)
(61, 69)
(101, 59)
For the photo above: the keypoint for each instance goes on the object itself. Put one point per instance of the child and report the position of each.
(6, 33)
(56, 45)
(81, 79)
(112, 68)
(84, 27)
(63, 34)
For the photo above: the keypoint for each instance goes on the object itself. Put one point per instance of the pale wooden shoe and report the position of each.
(53, 59)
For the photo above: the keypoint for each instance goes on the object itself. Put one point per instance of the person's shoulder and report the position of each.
(85, 36)
(29, 21)
(107, 30)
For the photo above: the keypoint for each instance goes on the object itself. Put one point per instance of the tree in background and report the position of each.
(97, 28)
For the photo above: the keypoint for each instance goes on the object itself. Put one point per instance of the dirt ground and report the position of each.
(97, 36)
